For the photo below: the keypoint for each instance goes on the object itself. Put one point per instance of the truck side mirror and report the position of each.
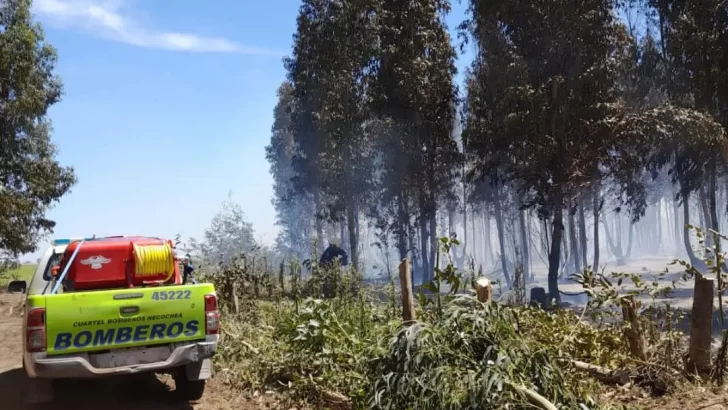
(17, 286)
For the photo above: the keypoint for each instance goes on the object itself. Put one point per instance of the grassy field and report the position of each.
(23, 272)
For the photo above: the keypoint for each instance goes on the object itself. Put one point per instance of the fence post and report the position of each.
(236, 301)
(405, 282)
(701, 326)
(633, 332)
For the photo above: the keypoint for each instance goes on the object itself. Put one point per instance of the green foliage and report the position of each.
(230, 234)
(352, 350)
(449, 276)
(465, 354)
(478, 354)
(31, 179)
(16, 271)
(662, 370)
(294, 213)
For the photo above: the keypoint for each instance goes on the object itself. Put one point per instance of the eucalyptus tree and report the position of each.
(555, 86)
(294, 211)
(412, 91)
(31, 178)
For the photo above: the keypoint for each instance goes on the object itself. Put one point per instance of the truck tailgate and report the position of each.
(109, 319)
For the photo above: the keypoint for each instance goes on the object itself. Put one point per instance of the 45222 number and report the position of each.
(172, 295)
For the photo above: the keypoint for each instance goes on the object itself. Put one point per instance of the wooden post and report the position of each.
(701, 326)
(236, 301)
(633, 332)
(405, 282)
(484, 290)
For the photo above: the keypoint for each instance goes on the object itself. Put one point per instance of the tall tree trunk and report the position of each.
(424, 252)
(472, 232)
(707, 219)
(529, 222)
(713, 208)
(434, 244)
(630, 236)
(614, 247)
(574, 243)
(701, 215)
(566, 253)
(342, 234)
(414, 249)
(618, 226)
(451, 229)
(319, 223)
(357, 227)
(555, 254)
(450, 222)
(712, 200)
(488, 237)
(458, 258)
(697, 263)
(596, 202)
(402, 226)
(546, 236)
(475, 241)
(676, 234)
(583, 234)
(669, 223)
(659, 225)
(465, 230)
(525, 252)
(501, 235)
(352, 222)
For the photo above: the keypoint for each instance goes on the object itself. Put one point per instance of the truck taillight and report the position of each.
(212, 316)
(35, 334)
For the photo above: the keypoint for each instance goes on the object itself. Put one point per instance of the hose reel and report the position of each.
(154, 261)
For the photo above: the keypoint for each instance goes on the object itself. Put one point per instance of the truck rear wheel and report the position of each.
(189, 390)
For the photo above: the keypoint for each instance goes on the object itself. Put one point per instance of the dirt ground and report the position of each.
(137, 393)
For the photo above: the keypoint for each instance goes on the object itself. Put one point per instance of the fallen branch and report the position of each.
(249, 346)
(334, 399)
(236, 337)
(605, 375)
(536, 398)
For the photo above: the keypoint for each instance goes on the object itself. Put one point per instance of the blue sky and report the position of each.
(166, 110)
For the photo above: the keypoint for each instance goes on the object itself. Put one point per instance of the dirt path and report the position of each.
(145, 392)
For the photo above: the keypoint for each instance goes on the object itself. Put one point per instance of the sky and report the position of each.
(167, 110)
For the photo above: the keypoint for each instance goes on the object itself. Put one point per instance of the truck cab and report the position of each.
(101, 307)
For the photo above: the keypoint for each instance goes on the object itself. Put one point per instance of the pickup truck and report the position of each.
(116, 306)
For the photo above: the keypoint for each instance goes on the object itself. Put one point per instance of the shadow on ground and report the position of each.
(142, 392)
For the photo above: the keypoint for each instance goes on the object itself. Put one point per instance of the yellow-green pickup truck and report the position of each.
(86, 319)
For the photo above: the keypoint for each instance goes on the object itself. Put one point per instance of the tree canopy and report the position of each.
(567, 108)
(31, 179)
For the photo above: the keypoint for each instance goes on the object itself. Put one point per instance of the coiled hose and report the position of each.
(152, 260)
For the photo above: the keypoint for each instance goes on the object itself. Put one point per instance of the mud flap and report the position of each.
(199, 370)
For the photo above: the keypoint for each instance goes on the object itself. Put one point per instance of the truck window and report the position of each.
(52, 261)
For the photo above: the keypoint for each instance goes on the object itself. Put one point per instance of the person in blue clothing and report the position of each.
(327, 263)
(188, 268)
(332, 253)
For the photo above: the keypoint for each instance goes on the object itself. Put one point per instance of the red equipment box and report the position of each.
(119, 262)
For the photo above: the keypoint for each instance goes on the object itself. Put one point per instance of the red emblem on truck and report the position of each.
(95, 261)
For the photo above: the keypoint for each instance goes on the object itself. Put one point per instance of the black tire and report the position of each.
(189, 390)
